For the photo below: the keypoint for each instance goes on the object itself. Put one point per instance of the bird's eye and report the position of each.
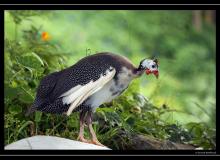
(153, 66)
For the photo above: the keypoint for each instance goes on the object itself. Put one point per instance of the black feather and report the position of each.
(87, 69)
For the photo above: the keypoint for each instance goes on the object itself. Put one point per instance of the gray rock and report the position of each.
(144, 142)
(51, 143)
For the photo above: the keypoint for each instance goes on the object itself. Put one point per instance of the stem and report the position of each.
(36, 128)
(57, 125)
(28, 93)
(8, 137)
(14, 75)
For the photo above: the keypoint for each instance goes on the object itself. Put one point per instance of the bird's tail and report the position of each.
(30, 110)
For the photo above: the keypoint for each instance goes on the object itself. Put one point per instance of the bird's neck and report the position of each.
(138, 72)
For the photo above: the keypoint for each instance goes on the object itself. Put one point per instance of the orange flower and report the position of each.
(45, 36)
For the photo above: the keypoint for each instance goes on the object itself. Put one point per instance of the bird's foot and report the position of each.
(96, 142)
(82, 139)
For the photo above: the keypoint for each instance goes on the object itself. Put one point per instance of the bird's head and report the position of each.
(150, 66)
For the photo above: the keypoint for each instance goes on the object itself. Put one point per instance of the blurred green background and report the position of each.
(183, 41)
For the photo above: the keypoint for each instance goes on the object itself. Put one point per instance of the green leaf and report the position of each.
(23, 126)
(39, 59)
(131, 121)
(30, 61)
(9, 92)
(16, 109)
(13, 84)
(25, 98)
(38, 116)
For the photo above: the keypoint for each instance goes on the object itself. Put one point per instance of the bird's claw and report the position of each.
(96, 142)
(82, 139)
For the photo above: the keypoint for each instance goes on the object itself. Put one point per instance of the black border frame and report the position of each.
(112, 152)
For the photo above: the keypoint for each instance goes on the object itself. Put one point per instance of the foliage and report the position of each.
(27, 62)
(174, 110)
(146, 120)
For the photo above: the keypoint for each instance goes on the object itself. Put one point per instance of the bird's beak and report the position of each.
(156, 73)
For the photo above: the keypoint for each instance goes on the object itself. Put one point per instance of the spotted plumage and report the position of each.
(87, 69)
(92, 81)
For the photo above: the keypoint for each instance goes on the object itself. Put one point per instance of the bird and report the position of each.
(93, 80)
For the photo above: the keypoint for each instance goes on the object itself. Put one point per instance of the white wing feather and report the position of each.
(79, 94)
(74, 89)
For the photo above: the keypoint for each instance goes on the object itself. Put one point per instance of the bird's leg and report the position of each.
(82, 124)
(92, 132)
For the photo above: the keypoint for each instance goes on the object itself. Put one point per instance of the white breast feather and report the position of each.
(102, 96)
(105, 95)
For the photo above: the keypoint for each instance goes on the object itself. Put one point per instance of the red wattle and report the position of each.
(148, 71)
